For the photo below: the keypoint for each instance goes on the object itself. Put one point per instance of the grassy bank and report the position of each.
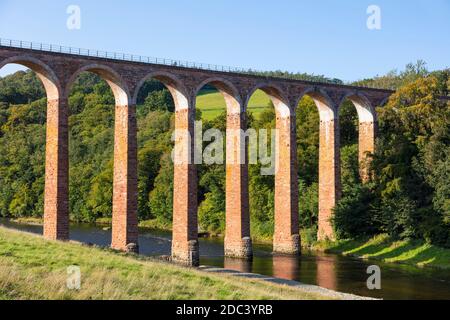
(33, 268)
(387, 250)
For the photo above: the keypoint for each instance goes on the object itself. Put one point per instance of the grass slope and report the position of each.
(385, 249)
(212, 104)
(34, 268)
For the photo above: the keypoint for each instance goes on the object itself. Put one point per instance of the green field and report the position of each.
(212, 104)
(34, 268)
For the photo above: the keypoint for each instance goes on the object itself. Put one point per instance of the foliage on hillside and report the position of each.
(409, 193)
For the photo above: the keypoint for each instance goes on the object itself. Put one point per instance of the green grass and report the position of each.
(34, 268)
(152, 224)
(212, 104)
(385, 249)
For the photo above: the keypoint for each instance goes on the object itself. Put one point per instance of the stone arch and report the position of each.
(124, 234)
(114, 80)
(286, 239)
(276, 95)
(228, 90)
(172, 83)
(45, 73)
(365, 110)
(185, 246)
(325, 106)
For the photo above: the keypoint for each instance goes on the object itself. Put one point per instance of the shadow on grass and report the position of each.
(430, 255)
(385, 249)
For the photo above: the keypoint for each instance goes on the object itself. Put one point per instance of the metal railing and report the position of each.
(163, 61)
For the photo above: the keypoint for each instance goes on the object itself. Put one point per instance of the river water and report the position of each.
(336, 272)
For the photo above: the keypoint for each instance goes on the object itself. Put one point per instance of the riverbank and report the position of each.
(385, 249)
(381, 247)
(34, 268)
(152, 225)
(102, 222)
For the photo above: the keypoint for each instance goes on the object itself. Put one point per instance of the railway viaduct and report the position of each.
(58, 67)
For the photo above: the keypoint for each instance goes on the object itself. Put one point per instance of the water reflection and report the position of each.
(286, 267)
(242, 265)
(326, 272)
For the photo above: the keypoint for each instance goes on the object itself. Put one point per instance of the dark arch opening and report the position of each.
(314, 109)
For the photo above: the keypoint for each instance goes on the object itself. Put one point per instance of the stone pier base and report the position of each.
(239, 249)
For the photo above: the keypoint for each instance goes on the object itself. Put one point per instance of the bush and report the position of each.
(352, 215)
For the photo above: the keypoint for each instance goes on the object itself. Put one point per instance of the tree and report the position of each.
(158, 100)
(161, 197)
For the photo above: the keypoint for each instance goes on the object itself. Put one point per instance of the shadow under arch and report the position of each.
(185, 245)
(45, 73)
(172, 83)
(114, 80)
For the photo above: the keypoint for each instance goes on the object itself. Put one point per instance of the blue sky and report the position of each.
(322, 37)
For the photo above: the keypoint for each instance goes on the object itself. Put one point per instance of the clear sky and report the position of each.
(326, 37)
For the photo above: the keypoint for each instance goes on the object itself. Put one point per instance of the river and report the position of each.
(332, 271)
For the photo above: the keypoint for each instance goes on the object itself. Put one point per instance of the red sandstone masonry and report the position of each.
(285, 266)
(124, 221)
(56, 205)
(185, 248)
(286, 233)
(329, 176)
(237, 233)
(242, 265)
